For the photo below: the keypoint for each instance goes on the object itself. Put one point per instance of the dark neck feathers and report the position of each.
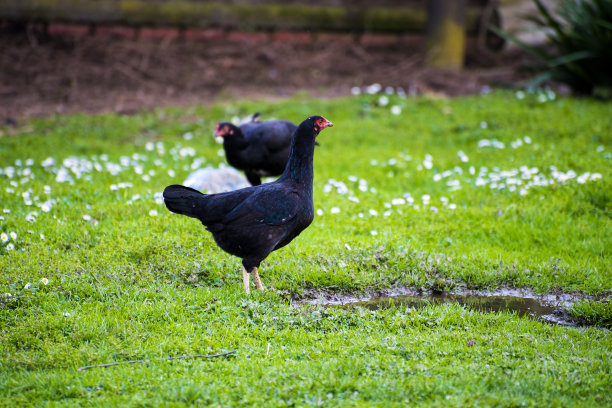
(299, 167)
(236, 140)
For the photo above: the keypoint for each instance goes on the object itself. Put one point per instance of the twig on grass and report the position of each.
(146, 361)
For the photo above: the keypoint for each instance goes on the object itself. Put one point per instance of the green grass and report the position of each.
(136, 282)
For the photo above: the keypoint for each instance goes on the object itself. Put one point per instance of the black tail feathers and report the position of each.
(183, 200)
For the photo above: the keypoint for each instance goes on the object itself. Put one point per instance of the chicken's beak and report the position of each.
(326, 124)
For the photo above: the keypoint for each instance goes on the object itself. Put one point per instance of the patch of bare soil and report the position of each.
(68, 69)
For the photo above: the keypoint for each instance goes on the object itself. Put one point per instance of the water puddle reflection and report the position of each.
(548, 308)
(522, 306)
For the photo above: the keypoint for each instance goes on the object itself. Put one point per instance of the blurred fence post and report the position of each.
(445, 45)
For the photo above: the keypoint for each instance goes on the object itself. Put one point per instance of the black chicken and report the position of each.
(260, 149)
(252, 222)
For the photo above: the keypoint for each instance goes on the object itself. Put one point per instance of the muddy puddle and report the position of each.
(548, 308)
(522, 306)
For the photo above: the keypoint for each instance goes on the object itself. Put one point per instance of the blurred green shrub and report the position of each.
(581, 36)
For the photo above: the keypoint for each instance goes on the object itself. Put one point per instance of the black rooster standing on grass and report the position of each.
(252, 222)
(260, 149)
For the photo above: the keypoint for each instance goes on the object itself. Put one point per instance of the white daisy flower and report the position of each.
(10, 247)
(373, 213)
(87, 217)
(153, 213)
(335, 210)
(373, 89)
(44, 281)
(4, 237)
(583, 178)
(13, 235)
(159, 197)
(27, 285)
(396, 110)
(373, 232)
(319, 211)
(49, 161)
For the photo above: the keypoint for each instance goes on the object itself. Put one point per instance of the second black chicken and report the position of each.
(260, 149)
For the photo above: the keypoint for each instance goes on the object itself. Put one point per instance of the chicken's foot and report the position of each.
(256, 279)
(245, 280)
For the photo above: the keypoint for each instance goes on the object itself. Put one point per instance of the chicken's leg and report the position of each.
(245, 280)
(256, 279)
